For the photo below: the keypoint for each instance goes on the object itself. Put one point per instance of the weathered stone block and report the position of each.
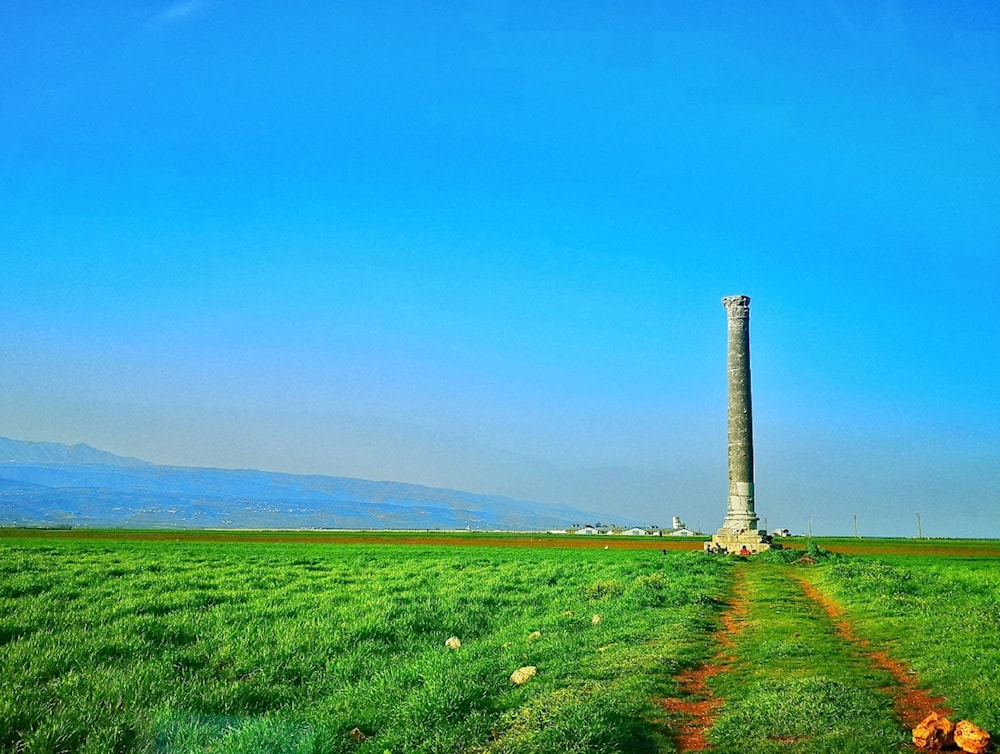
(934, 732)
(731, 542)
(971, 738)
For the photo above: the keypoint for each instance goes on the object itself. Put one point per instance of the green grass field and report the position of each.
(234, 647)
(172, 644)
(939, 615)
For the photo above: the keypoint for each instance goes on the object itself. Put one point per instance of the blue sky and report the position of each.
(483, 246)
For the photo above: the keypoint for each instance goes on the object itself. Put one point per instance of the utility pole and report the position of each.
(810, 527)
(920, 532)
(856, 536)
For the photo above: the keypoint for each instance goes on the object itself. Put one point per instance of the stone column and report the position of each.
(740, 513)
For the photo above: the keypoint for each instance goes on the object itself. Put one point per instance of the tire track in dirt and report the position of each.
(695, 710)
(911, 701)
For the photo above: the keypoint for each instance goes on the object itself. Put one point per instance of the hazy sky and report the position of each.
(483, 245)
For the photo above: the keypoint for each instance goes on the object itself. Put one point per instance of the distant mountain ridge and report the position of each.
(44, 483)
(22, 451)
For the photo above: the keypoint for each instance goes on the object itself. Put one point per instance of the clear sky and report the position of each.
(482, 245)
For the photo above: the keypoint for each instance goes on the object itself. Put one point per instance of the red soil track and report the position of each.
(944, 548)
(698, 706)
(424, 539)
(912, 702)
(986, 548)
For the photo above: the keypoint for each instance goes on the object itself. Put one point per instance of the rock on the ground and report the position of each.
(934, 732)
(971, 738)
(534, 635)
(453, 642)
(523, 675)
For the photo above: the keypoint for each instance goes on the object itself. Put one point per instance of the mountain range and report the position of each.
(52, 484)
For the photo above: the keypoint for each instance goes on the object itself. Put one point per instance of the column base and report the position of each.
(740, 542)
(739, 522)
(740, 514)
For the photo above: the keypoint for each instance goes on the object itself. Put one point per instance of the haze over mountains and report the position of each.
(53, 484)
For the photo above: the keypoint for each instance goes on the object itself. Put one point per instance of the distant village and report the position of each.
(677, 529)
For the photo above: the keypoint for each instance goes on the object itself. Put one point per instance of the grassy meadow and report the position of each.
(795, 684)
(939, 615)
(186, 646)
(191, 642)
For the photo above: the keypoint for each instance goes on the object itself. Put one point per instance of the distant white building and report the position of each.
(682, 532)
(635, 531)
(586, 530)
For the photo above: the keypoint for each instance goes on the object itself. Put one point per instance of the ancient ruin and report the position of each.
(739, 533)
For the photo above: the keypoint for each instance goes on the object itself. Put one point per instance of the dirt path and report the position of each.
(698, 705)
(696, 708)
(912, 702)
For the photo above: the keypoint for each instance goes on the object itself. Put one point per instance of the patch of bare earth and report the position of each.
(391, 537)
(697, 706)
(912, 702)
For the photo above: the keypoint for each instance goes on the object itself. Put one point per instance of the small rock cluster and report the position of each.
(936, 732)
(521, 675)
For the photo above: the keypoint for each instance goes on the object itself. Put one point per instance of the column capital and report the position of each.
(737, 306)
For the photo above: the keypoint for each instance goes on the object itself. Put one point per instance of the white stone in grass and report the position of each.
(453, 642)
(596, 619)
(523, 675)
(534, 635)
